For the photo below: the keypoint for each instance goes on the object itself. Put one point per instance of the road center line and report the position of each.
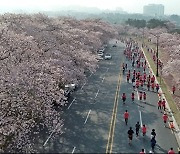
(71, 103)
(73, 150)
(140, 116)
(97, 94)
(87, 117)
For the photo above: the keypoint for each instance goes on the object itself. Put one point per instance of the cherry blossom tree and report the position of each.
(38, 56)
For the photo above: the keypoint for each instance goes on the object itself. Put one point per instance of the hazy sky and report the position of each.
(132, 6)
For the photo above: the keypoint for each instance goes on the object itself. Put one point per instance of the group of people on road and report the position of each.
(134, 54)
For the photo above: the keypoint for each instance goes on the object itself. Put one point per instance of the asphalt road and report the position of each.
(88, 117)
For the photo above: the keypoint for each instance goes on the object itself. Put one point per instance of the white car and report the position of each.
(99, 58)
(100, 54)
(107, 56)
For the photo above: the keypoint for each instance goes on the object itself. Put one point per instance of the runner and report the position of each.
(130, 134)
(123, 98)
(137, 128)
(128, 78)
(159, 104)
(164, 104)
(134, 85)
(144, 129)
(144, 96)
(153, 143)
(157, 87)
(137, 84)
(165, 118)
(142, 151)
(126, 116)
(152, 86)
(171, 151)
(148, 86)
(140, 95)
(153, 133)
(132, 96)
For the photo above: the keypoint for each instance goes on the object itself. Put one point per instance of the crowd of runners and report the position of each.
(142, 80)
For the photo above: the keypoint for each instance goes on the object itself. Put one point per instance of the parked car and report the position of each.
(100, 54)
(107, 56)
(68, 89)
(99, 58)
(114, 45)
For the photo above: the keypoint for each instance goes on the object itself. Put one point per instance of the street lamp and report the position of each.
(157, 55)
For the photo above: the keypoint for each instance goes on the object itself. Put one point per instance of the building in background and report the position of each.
(155, 10)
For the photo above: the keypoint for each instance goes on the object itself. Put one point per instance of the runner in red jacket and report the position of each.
(144, 130)
(165, 118)
(126, 116)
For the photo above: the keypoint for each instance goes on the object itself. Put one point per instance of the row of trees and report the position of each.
(152, 23)
(38, 55)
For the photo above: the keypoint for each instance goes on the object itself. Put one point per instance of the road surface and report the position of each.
(94, 118)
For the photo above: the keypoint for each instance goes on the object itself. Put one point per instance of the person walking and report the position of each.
(153, 143)
(144, 130)
(173, 89)
(171, 151)
(130, 134)
(137, 128)
(165, 118)
(126, 116)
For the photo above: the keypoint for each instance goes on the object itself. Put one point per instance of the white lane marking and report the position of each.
(50, 135)
(91, 74)
(137, 94)
(71, 103)
(140, 117)
(96, 94)
(107, 70)
(87, 117)
(73, 150)
(83, 85)
(103, 78)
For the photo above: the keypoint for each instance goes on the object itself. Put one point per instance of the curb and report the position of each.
(177, 133)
